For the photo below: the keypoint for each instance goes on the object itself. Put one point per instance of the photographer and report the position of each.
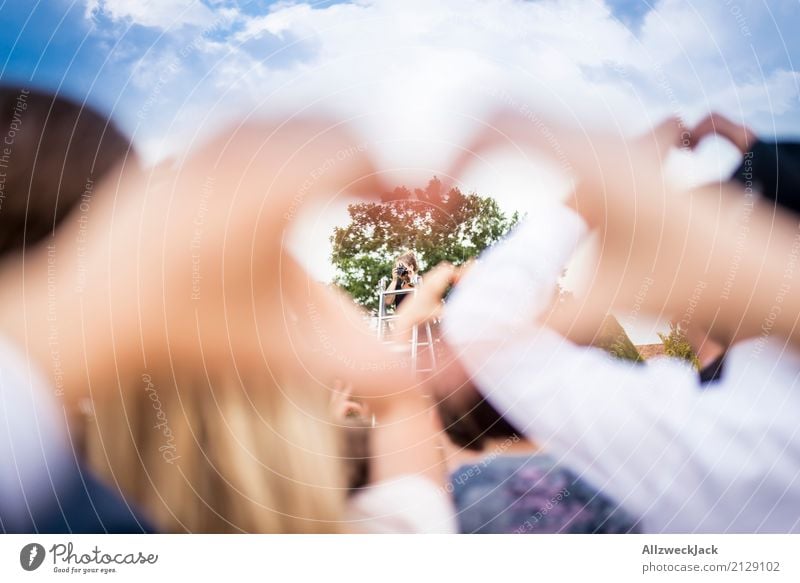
(404, 276)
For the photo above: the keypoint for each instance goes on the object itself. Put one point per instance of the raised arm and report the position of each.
(388, 299)
(179, 263)
(641, 434)
(714, 238)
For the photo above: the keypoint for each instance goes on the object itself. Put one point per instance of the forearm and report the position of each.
(338, 341)
(406, 441)
(64, 332)
(388, 299)
(515, 281)
(714, 256)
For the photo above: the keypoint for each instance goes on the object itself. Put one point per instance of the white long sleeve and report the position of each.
(723, 459)
(34, 453)
(405, 505)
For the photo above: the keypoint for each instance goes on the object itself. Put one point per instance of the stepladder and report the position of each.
(422, 343)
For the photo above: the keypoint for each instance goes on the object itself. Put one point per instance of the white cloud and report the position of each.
(163, 14)
(774, 94)
(412, 70)
(282, 19)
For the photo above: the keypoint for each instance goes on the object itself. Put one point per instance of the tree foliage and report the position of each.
(436, 225)
(613, 339)
(676, 345)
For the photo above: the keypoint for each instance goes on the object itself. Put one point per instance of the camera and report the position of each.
(401, 271)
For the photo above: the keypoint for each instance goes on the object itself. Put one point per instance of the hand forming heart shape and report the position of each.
(187, 261)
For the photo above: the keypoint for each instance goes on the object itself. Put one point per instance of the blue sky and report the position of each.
(413, 73)
(156, 65)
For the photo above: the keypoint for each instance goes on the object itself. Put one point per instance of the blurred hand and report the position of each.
(180, 264)
(600, 156)
(716, 124)
(342, 403)
(658, 244)
(668, 135)
(426, 304)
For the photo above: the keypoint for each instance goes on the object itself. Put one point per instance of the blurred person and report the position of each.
(255, 455)
(225, 455)
(53, 152)
(501, 482)
(268, 384)
(682, 459)
(645, 436)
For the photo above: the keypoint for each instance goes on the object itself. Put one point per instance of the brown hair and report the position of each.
(410, 259)
(470, 425)
(468, 419)
(52, 152)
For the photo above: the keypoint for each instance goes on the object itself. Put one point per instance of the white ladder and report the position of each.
(384, 318)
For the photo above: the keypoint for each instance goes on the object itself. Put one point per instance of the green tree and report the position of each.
(613, 339)
(436, 225)
(676, 345)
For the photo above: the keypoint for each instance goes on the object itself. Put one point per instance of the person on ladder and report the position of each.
(404, 276)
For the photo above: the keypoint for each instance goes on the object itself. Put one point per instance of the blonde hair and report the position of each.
(214, 457)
